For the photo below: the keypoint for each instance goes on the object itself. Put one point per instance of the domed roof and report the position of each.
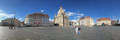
(61, 11)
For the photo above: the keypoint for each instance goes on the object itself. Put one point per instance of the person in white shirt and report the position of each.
(77, 30)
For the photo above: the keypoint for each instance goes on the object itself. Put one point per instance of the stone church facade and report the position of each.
(61, 18)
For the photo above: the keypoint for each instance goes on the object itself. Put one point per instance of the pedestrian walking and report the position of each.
(11, 26)
(77, 29)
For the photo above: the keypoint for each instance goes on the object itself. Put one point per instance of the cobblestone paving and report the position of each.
(63, 33)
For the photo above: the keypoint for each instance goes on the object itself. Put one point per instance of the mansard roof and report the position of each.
(103, 19)
(37, 14)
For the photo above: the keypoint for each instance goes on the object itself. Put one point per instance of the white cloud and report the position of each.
(74, 20)
(77, 16)
(71, 13)
(4, 15)
(51, 19)
(42, 10)
(80, 14)
(20, 19)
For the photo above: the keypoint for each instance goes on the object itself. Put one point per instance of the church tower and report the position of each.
(61, 18)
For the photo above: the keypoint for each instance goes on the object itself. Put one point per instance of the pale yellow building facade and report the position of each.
(85, 21)
(61, 18)
(104, 21)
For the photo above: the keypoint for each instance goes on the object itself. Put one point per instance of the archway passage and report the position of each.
(103, 24)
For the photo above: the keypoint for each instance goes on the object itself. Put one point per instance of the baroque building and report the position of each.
(11, 21)
(61, 18)
(85, 21)
(104, 21)
(37, 19)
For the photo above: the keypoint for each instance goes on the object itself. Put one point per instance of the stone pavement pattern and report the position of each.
(63, 33)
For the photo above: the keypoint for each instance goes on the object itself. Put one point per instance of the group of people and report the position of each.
(77, 30)
(12, 26)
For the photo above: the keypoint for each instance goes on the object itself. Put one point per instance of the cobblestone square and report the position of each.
(63, 33)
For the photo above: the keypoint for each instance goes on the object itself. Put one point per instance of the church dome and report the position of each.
(61, 11)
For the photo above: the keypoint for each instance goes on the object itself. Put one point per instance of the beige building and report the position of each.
(85, 21)
(104, 21)
(37, 19)
(61, 18)
(11, 21)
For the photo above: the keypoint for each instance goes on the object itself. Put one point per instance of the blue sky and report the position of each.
(74, 8)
